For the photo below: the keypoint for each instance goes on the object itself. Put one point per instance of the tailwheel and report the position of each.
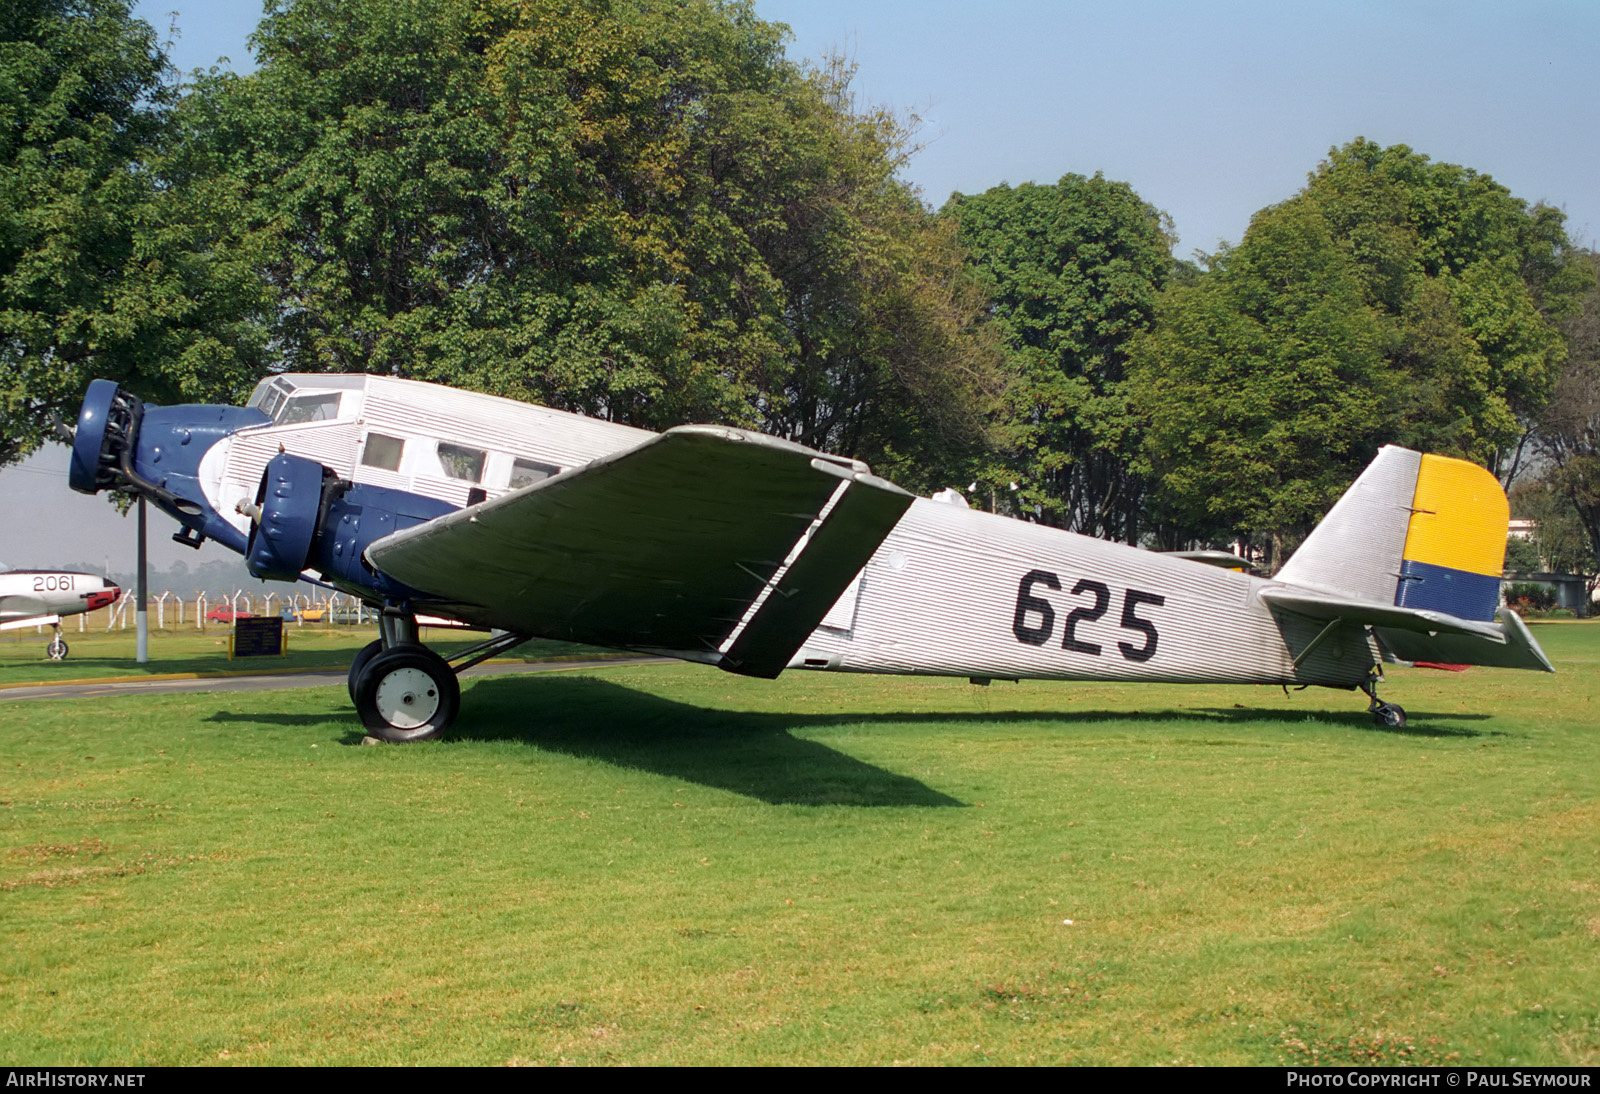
(406, 693)
(1389, 715)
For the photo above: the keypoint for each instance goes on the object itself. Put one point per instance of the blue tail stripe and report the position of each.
(1443, 589)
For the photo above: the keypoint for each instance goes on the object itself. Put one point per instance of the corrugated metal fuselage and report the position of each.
(960, 592)
(952, 591)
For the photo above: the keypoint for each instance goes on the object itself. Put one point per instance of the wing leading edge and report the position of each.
(712, 544)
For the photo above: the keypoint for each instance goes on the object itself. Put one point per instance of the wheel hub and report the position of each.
(407, 698)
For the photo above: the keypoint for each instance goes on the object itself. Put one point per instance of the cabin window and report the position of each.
(309, 408)
(382, 452)
(528, 472)
(460, 462)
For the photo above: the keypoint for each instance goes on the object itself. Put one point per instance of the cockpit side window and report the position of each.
(270, 396)
(308, 408)
(460, 462)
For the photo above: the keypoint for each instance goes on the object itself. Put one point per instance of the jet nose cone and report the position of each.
(109, 594)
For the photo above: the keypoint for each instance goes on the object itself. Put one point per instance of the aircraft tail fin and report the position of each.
(1413, 550)
(1416, 531)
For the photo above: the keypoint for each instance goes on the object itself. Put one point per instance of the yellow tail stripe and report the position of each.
(1460, 518)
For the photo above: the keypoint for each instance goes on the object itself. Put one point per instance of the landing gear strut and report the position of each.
(1391, 715)
(405, 692)
(57, 649)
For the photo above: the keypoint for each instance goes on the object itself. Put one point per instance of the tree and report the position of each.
(639, 210)
(1393, 300)
(82, 105)
(1258, 385)
(1072, 272)
(1472, 281)
(1568, 435)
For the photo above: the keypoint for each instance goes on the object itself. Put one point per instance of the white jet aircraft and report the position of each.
(33, 598)
(755, 554)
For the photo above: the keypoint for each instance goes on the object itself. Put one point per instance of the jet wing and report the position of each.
(28, 621)
(712, 544)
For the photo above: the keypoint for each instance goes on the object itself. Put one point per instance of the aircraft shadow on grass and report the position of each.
(755, 753)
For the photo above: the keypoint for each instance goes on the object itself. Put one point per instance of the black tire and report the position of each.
(57, 649)
(407, 693)
(1390, 716)
(368, 652)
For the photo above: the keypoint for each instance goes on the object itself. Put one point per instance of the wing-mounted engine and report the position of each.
(290, 505)
(307, 518)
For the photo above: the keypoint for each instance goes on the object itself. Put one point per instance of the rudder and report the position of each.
(1416, 531)
(1455, 541)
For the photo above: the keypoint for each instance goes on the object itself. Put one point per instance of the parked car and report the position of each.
(225, 614)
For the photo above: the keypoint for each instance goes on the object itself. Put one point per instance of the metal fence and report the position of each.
(169, 611)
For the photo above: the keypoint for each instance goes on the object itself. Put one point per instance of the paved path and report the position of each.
(278, 681)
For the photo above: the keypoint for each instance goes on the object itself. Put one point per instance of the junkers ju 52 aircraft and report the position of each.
(755, 554)
(30, 598)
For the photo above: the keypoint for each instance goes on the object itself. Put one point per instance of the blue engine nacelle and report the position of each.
(287, 518)
(310, 519)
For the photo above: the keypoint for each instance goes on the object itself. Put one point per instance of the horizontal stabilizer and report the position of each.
(665, 546)
(1227, 560)
(1520, 650)
(1329, 608)
(1419, 634)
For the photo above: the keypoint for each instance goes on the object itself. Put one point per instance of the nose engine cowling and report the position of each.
(106, 438)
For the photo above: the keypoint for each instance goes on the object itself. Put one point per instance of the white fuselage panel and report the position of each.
(422, 438)
(961, 592)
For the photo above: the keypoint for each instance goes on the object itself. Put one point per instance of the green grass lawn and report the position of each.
(97, 654)
(668, 864)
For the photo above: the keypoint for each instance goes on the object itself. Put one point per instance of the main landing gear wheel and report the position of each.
(407, 693)
(57, 649)
(368, 652)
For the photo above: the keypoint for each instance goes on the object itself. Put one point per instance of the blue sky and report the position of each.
(1209, 110)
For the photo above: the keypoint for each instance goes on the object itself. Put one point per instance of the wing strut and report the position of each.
(800, 595)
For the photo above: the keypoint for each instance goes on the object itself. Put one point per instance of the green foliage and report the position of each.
(638, 210)
(1259, 383)
(1569, 426)
(1072, 272)
(106, 268)
(1526, 595)
(81, 105)
(1522, 556)
(1559, 537)
(1393, 300)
